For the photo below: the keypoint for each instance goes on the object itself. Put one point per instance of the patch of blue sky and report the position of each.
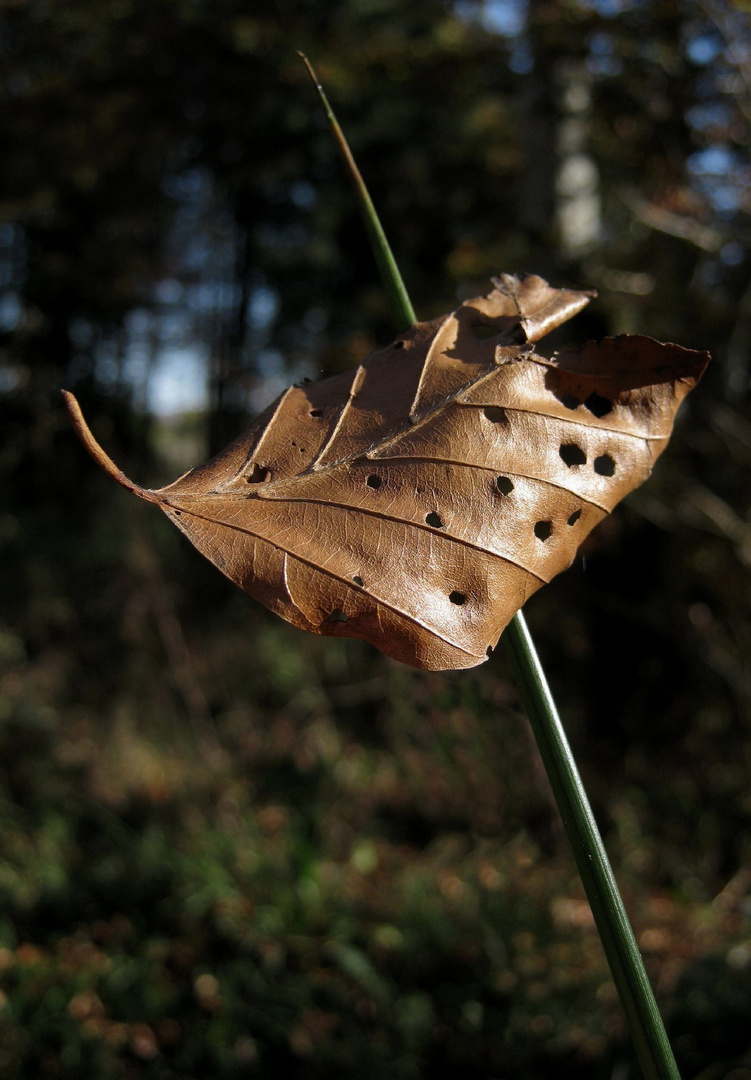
(608, 9)
(505, 17)
(708, 115)
(263, 308)
(177, 381)
(303, 194)
(703, 48)
(716, 160)
(11, 312)
(603, 59)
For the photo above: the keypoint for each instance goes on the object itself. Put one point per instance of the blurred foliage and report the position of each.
(232, 849)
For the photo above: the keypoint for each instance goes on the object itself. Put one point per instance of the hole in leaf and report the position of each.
(495, 414)
(604, 465)
(569, 401)
(598, 405)
(374, 481)
(258, 474)
(574, 517)
(504, 485)
(316, 412)
(571, 454)
(357, 579)
(483, 331)
(398, 345)
(177, 513)
(457, 597)
(543, 529)
(338, 616)
(434, 519)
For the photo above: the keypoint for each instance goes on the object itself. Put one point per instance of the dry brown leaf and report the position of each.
(419, 501)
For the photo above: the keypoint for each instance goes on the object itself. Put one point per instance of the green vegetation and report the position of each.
(231, 849)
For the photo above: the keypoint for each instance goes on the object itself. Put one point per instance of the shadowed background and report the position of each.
(229, 848)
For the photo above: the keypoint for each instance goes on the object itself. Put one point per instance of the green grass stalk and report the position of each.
(401, 305)
(645, 1025)
(643, 1018)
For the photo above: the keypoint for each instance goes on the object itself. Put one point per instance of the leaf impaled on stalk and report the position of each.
(419, 501)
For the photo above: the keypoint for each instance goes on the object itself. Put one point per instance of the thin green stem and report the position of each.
(401, 305)
(642, 1015)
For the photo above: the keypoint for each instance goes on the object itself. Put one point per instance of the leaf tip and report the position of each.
(99, 455)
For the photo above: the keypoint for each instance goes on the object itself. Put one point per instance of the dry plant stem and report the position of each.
(642, 1015)
(645, 1025)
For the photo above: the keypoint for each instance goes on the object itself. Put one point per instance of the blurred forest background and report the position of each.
(229, 848)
